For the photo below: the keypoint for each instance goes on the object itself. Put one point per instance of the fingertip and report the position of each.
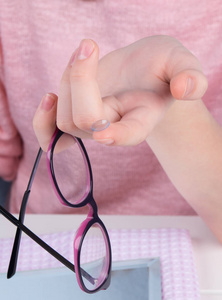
(48, 101)
(102, 136)
(46, 106)
(122, 133)
(54, 96)
(44, 121)
(203, 84)
(86, 49)
(177, 86)
(188, 85)
(108, 142)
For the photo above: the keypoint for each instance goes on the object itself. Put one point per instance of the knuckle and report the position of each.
(83, 121)
(65, 126)
(79, 75)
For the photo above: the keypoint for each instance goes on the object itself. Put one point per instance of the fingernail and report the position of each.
(86, 48)
(48, 102)
(189, 87)
(105, 141)
(100, 125)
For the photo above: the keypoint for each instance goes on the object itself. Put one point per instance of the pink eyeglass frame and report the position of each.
(92, 219)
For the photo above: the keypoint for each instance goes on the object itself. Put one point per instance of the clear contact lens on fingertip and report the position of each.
(100, 125)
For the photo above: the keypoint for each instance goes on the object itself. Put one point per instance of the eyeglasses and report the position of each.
(92, 275)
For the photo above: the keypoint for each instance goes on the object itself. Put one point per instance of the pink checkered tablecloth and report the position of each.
(172, 246)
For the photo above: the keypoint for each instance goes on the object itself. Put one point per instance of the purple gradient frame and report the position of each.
(78, 241)
(91, 219)
(58, 133)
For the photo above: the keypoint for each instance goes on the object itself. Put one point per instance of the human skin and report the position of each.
(150, 91)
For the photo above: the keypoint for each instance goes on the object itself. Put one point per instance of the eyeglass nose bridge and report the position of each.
(93, 209)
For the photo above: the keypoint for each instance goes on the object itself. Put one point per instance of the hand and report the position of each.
(131, 87)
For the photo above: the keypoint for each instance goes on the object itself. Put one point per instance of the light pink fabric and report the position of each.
(36, 41)
(172, 246)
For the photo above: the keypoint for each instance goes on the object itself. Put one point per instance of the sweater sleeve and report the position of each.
(10, 141)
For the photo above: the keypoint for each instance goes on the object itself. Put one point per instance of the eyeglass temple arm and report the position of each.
(50, 250)
(15, 249)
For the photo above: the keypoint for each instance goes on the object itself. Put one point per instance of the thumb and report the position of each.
(184, 72)
(188, 84)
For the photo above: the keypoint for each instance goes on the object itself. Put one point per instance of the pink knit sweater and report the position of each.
(36, 41)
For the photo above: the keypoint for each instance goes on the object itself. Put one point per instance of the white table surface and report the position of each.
(207, 250)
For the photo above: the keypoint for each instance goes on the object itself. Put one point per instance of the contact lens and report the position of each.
(100, 125)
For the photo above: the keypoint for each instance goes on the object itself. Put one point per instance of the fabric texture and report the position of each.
(37, 39)
(173, 247)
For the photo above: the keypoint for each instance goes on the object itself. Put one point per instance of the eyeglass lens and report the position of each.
(94, 256)
(70, 169)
